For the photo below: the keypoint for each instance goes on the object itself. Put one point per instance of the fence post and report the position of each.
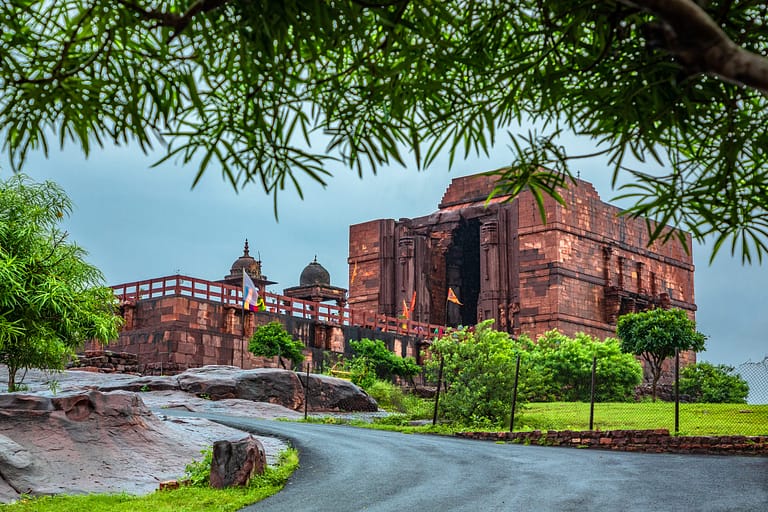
(592, 395)
(514, 395)
(677, 391)
(306, 393)
(437, 391)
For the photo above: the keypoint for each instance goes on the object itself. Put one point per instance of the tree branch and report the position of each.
(701, 46)
(178, 22)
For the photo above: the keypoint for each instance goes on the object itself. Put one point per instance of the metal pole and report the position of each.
(677, 391)
(514, 395)
(306, 393)
(437, 392)
(245, 341)
(592, 395)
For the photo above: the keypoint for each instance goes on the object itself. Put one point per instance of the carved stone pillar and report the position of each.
(405, 272)
(490, 280)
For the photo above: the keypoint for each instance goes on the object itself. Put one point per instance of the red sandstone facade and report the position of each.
(577, 273)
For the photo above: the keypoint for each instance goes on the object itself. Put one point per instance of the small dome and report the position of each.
(315, 274)
(247, 262)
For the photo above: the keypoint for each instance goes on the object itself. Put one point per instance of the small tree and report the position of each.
(272, 340)
(51, 300)
(705, 382)
(654, 335)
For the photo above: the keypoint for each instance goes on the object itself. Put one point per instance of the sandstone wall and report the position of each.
(167, 335)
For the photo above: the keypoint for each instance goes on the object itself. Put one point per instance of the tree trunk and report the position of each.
(12, 378)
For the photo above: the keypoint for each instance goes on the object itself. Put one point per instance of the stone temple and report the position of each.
(578, 272)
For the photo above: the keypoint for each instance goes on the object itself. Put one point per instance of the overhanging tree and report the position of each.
(655, 335)
(246, 85)
(51, 300)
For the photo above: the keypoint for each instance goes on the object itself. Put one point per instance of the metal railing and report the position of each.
(186, 286)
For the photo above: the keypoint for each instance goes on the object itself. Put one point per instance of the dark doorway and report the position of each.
(462, 263)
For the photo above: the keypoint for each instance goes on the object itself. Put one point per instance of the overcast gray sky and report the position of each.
(140, 223)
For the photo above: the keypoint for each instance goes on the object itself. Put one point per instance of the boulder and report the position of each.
(337, 395)
(215, 381)
(281, 387)
(234, 463)
(276, 386)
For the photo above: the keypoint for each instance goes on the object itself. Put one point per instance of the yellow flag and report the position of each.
(452, 297)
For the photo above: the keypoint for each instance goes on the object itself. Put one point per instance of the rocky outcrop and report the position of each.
(80, 442)
(270, 385)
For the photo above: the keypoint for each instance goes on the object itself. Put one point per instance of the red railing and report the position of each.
(185, 286)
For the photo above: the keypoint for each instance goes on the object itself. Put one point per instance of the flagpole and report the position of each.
(242, 327)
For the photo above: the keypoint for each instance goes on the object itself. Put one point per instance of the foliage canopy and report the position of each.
(246, 86)
(384, 363)
(655, 334)
(272, 340)
(51, 300)
(559, 368)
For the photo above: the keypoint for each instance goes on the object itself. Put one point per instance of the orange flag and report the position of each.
(413, 302)
(406, 313)
(452, 297)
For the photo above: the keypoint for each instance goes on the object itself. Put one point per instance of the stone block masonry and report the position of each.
(577, 272)
(167, 335)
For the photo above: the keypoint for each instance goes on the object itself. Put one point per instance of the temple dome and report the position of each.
(314, 274)
(247, 262)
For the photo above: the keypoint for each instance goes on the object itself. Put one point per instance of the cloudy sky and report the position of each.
(140, 223)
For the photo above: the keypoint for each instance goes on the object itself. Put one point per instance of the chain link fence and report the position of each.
(756, 375)
(684, 415)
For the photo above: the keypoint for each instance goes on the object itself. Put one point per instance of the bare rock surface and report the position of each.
(85, 439)
(219, 382)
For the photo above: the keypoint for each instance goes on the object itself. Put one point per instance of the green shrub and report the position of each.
(479, 372)
(559, 368)
(708, 383)
(383, 362)
(198, 472)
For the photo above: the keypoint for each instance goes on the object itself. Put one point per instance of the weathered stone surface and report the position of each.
(234, 463)
(271, 385)
(88, 441)
(331, 394)
(280, 387)
(213, 381)
(146, 383)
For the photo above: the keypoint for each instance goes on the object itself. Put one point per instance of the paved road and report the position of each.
(352, 469)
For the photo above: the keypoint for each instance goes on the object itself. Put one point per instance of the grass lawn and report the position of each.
(695, 419)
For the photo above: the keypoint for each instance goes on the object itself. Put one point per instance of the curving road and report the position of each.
(354, 469)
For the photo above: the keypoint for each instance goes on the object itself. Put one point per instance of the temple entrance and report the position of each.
(462, 263)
